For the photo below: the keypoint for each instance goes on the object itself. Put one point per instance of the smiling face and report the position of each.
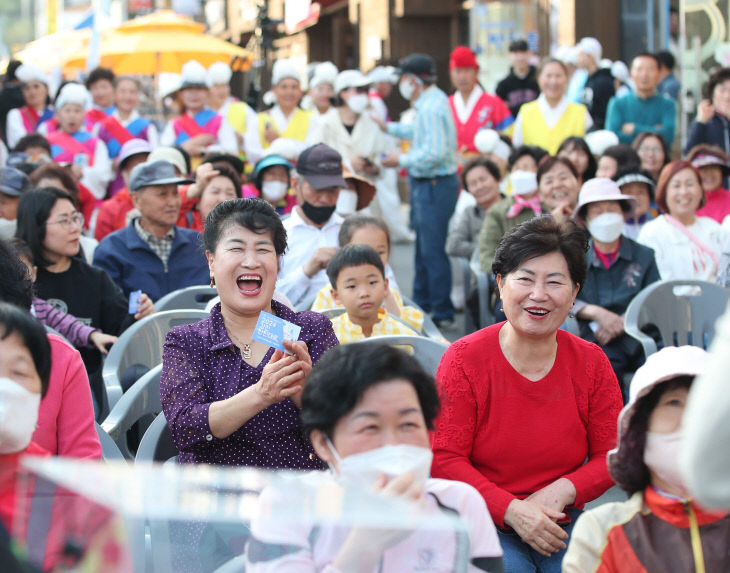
(218, 94)
(640, 192)
(651, 154)
(552, 81)
(322, 94)
(126, 95)
(17, 363)
(684, 194)
(577, 157)
(388, 413)
(711, 177)
(361, 290)
(62, 232)
(485, 188)
(645, 74)
(538, 295)
(721, 98)
(559, 187)
(194, 99)
(159, 205)
(219, 189)
(35, 94)
(607, 167)
(244, 266)
(288, 92)
(70, 117)
(102, 93)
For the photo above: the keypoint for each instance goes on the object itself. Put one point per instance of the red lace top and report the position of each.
(509, 437)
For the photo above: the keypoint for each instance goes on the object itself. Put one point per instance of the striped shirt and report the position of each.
(433, 135)
(347, 331)
(70, 327)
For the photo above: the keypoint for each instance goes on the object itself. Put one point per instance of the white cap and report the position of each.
(350, 79)
(488, 141)
(591, 47)
(324, 73)
(73, 93)
(268, 98)
(29, 73)
(567, 54)
(523, 182)
(285, 147)
(600, 140)
(219, 73)
(620, 71)
(282, 70)
(605, 64)
(383, 74)
(193, 75)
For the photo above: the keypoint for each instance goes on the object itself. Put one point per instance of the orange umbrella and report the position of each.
(51, 51)
(162, 20)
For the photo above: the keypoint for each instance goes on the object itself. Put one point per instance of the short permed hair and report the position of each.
(480, 162)
(666, 175)
(16, 286)
(541, 236)
(720, 76)
(623, 154)
(534, 151)
(98, 74)
(32, 140)
(329, 395)
(353, 255)
(550, 161)
(251, 213)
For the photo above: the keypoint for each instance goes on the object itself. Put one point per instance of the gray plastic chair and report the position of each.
(157, 444)
(427, 351)
(429, 328)
(486, 286)
(334, 312)
(469, 325)
(109, 450)
(683, 311)
(142, 399)
(189, 297)
(141, 345)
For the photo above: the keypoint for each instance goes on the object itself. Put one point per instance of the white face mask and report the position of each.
(274, 191)
(661, 455)
(358, 103)
(346, 202)
(365, 467)
(406, 89)
(607, 227)
(18, 416)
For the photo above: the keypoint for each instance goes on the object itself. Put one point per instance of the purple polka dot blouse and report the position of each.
(201, 365)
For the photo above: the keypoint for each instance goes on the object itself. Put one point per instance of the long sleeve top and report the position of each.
(432, 135)
(655, 114)
(462, 239)
(509, 437)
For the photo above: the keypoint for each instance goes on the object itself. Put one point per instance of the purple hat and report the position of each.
(133, 147)
(601, 189)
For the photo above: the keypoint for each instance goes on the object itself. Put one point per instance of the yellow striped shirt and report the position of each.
(347, 331)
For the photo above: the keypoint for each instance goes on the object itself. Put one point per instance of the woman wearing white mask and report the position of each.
(618, 268)
(371, 427)
(659, 528)
(272, 178)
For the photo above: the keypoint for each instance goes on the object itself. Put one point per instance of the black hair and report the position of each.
(341, 377)
(550, 161)
(232, 161)
(14, 320)
(534, 151)
(639, 139)
(357, 221)
(634, 169)
(224, 169)
(34, 208)
(571, 143)
(353, 255)
(720, 76)
(251, 213)
(16, 286)
(55, 171)
(623, 154)
(628, 469)
(540, 236)
(258, 181)
(98, 74)
(665, 59)
(186, 157)
(13, 66)
(645, 55)
(480, 162)
(32, 140)
(519, 45)
(21, 249)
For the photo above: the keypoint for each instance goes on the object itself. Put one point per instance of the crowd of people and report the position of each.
(562, 186)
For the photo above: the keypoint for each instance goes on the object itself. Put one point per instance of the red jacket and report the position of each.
(113, 214)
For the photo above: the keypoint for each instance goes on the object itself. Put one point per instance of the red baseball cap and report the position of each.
(462, 57)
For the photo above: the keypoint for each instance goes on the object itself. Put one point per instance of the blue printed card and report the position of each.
(272, 330)
(134, 301)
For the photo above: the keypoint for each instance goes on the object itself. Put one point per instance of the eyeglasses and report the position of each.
(69, 222)
(651, 150)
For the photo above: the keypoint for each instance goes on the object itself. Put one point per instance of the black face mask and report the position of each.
(317, 215)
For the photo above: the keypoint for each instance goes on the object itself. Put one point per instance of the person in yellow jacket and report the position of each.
(551, 118)
(286, 119)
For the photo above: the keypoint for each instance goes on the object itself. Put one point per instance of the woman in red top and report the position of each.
(529, 411)
(214, 183)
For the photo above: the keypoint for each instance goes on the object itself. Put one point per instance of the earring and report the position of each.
(212, 282)
(571, 314)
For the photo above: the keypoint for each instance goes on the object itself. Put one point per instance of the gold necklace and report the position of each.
(245, 348)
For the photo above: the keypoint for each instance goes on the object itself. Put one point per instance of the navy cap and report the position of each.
(13, 182)
(152, 173)
(321, 166)
(422, 66)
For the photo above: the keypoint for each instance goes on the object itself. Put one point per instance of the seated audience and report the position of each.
(559, 186)
(357, 276)
(639, 184)
(152, 254)
(529, 410)
(618, 268)
(686, 246)
(660, 527)
(652, 151)
(712, 163)
(37, 110)
(272, 179)
(614, 157)
(215, 182)
(356, 423)
(713, 114)
(577, 151)
(229, 399)
(525, 158)
(13, 183)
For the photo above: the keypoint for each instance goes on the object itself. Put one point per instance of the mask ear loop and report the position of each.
(334, 468)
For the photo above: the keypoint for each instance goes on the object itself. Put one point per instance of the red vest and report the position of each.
(490, 112)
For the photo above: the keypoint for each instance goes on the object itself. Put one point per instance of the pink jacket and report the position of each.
(66, 415)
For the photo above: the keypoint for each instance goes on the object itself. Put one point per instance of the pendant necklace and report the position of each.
(245, 348)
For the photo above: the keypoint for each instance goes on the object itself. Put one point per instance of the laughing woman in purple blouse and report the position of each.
(229, 399)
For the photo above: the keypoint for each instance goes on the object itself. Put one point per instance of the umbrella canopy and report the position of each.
(162, 20)
(152, 52)
(52, 51)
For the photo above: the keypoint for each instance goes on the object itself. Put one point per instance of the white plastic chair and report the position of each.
(188, 297)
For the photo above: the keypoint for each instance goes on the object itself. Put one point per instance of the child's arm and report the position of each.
(75, 331)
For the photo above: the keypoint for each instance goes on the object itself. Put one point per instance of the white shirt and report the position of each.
(464, 108)
(303, 240)
(251, 142)
(551, 115)
(677, 257)
(225, 138)
(14, 127)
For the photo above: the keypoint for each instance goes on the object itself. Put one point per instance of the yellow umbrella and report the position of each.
(162, 20)
(51, 51)
(150, 53)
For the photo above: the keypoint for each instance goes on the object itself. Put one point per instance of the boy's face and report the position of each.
(361, 290)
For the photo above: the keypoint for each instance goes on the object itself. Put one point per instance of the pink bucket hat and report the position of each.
(601, 189)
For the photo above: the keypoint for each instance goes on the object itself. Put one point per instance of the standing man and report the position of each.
(599, 88)
(471, 107)
(520, 86)
(643, 109)
(431, 164)
(668, 85)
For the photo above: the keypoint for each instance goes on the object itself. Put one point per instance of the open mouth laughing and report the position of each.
(249, 284)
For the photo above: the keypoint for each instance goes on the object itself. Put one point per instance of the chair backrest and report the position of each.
(157, 444)
(681, 312)
(189, 297)
(332, 312)
(427, 351)
(109, 450)
(142, 399)
(141, 345)
(429, 328)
